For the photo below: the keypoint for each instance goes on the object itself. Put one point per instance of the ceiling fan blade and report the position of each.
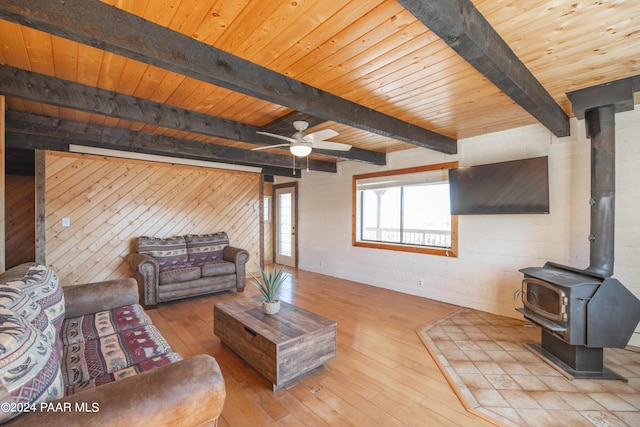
(286, 138)
(328, 145)
(269, 146)
(320, 135)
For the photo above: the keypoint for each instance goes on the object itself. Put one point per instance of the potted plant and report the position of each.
(269, 282)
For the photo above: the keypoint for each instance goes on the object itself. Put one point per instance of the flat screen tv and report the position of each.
(514, 187)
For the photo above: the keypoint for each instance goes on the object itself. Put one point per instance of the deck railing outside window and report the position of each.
(436, 238)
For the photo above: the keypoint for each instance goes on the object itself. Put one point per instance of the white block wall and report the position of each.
(492, 248)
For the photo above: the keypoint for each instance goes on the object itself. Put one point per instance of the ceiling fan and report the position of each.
(300, 144)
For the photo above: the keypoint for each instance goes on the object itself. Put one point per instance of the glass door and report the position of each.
(285, 240)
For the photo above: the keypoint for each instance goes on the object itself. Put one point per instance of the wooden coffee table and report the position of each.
(281, 347)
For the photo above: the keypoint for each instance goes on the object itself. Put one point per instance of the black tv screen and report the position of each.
(514, 187)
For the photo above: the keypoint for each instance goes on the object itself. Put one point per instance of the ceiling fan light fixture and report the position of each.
(300, 150)
(301, 144)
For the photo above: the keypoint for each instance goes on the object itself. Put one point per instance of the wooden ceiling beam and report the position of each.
(63, 93)
(17, 140)
(105, 27)
(466, 31)
(27, 130)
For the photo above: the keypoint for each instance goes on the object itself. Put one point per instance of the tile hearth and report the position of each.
(486, 360)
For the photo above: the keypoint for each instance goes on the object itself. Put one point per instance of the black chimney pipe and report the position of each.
(601, 128)
(598, 105)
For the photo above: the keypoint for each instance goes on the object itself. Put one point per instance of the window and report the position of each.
(266, 208)
(406, 210)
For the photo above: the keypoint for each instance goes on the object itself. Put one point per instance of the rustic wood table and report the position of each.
(281, 347)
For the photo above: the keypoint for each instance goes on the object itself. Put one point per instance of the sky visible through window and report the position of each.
(426, 207)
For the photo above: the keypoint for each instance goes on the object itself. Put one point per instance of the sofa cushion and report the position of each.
(179, 274)
(103, 323)
(205, 248)
(218, 268)
(87, 360)
(146, 365)
(170, 252)
(29, 367)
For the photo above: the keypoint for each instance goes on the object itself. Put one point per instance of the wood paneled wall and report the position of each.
(112, 201)
(19, 219)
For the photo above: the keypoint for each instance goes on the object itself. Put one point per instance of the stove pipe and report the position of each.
(601, 129)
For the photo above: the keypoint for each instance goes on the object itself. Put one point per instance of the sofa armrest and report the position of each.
(93, 297)
(186, 393)
(239, 257)
(146, 271)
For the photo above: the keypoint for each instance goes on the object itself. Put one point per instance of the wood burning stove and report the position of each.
(581, 312)
(556, 297)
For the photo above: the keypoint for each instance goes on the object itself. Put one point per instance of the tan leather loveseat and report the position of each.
(178, 267)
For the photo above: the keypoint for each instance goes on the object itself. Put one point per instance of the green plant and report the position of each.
(269, 281)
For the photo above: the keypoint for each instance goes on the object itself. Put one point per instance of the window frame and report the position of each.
(430, 250)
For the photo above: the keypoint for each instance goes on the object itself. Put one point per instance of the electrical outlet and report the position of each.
(420, 283)
(66, 222)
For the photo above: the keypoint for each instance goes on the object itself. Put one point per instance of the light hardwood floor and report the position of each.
(382, 375)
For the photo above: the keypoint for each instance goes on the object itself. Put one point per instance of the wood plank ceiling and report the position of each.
(370, 69)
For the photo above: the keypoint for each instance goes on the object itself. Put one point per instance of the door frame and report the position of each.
(275, 218)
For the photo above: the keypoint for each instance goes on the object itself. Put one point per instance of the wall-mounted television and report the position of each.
(514, 187)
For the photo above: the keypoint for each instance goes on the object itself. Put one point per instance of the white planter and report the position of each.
(271, 307)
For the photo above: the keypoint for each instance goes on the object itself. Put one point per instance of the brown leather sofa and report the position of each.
(44, 330)
(178, 267)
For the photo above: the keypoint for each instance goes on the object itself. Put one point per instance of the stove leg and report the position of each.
(577, 357)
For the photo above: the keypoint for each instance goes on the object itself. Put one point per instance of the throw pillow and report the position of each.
(169, 252)
(42, 285)
(29, 368)
(206, 248)
(16, 300)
